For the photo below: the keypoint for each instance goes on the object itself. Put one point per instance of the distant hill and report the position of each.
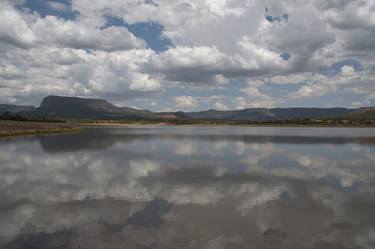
(15, 108)
(85, 108)
(362, 113)
(82, 108)
(261, 114)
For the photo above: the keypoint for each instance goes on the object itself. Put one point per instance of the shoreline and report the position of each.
(10, 129)
(110, 124)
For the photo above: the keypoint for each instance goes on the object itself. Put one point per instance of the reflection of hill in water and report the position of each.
(77, 141)
(99, 139)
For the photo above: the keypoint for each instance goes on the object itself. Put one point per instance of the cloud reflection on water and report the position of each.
(219, 191)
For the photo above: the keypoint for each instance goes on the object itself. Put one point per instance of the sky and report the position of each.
(167, 55)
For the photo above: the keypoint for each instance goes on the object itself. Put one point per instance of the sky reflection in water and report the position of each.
(184, 187)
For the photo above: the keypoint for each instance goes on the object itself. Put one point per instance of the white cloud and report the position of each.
(254, 57)
(118, 75)
(217, 102)
(314, 90)
(289, 79)
(215, 45)
(256, 99)
(357, 104)
(13, 29)
(347, 71)
(143, 82)
(232, 27)
(185, 102)
(220, 106)
(254, 92)
(320, 85)
(240, 103)
(9, 71)
(192, 65)
(71, 34)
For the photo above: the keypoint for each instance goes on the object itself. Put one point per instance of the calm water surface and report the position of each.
(189, 187)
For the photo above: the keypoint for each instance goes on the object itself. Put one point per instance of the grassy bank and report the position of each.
(22, 128)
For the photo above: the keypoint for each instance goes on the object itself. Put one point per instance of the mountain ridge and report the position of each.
(54, 106)
(15, 108)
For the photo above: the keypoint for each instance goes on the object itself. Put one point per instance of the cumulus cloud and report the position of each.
(241, 103)
(118, 75)
(71, 34)
(320, 85)
(185, 102)
(216, 46)
(192, 64)
(220, 106)
(256, 99)
(9, 71)
(14, 30)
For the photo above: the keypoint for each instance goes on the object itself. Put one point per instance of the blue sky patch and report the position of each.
(270, 18)
(336, 67)
(151, 32)
(55, 8)
(285, 56)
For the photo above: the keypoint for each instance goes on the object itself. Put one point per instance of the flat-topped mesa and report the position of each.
(61, 100)
(75, 107)
(74, 104)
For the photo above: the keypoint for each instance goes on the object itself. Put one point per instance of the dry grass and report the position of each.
(17, 128)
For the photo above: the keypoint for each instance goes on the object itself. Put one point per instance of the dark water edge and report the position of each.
(189, 187)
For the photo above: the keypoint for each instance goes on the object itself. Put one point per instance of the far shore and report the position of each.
(22, 128)
(219, 125)
(27, 128)
(114, 123)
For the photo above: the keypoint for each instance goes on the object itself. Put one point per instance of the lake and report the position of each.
(189, 187)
